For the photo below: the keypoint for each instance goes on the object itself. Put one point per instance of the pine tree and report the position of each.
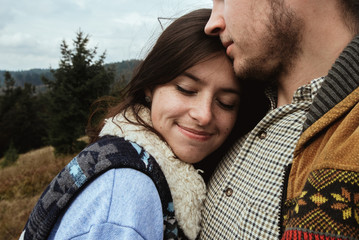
(9, 83)
(10, 157)
(20, 122)
(79, 80)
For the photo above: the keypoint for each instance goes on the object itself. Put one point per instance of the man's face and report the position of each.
(262, 37)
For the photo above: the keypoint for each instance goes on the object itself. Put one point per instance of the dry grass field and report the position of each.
(22, 184)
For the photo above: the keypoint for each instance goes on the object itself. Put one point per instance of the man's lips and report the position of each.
(195, 134)
(227, 45)
(228, 50)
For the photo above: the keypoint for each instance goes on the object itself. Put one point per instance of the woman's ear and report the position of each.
(148, 95)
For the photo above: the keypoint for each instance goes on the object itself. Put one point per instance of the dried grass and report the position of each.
(22, 184)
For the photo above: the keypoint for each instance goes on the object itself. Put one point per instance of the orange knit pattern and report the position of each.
(328, 207)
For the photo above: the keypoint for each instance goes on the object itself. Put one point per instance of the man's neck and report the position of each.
(314, 61)
(324, 37)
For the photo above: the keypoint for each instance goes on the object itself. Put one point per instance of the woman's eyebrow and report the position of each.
(193, 77)
(230, 90)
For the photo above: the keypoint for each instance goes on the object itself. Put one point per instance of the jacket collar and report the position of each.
(337, 96)
(342, 80)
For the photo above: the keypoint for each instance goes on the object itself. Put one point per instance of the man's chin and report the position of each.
(257, 73)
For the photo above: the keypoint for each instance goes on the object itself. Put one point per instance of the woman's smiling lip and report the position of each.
(195, 134)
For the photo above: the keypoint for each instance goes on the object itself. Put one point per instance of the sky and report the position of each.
(31, 32)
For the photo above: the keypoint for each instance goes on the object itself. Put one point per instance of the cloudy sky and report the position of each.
(31, 31)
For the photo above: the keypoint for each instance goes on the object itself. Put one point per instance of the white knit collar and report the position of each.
(187, 186)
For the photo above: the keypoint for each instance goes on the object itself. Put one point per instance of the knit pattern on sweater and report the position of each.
(323, 207)
(323, 187)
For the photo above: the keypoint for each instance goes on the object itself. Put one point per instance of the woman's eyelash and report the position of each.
(221, 104)
(226, 106)
(185, 91)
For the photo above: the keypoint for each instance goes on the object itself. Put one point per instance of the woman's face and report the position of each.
(196, 111)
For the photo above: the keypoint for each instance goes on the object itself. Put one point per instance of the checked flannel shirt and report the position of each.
(245, 193)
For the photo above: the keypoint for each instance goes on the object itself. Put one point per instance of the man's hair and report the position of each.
(350, 13)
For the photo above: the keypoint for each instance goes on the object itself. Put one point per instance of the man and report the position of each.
(296, 174)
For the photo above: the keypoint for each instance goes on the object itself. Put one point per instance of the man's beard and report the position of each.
(281, 45)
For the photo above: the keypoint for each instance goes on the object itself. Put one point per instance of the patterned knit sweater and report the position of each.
(323, 187)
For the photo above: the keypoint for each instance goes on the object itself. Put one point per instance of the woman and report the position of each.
(136, 180)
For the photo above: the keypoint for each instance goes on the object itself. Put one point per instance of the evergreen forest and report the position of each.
(42, 107)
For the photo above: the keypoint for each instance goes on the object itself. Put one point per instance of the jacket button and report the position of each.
(229, 192)
(262, 134)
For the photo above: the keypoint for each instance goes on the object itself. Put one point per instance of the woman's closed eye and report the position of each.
(223, 104)
(226, 106)
(185, 91)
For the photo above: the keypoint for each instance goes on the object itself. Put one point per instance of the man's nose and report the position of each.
(215, 24)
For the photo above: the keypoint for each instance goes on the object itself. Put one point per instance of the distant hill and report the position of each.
(32, 76)
(123, 70)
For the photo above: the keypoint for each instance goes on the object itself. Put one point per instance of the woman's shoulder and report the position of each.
(123, 200)
(101, 159)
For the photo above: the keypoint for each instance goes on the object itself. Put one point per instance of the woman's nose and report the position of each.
(202, 112)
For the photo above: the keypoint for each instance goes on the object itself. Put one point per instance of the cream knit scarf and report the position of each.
(187, 186)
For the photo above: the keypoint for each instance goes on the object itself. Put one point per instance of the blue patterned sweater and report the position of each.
(110, 152)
